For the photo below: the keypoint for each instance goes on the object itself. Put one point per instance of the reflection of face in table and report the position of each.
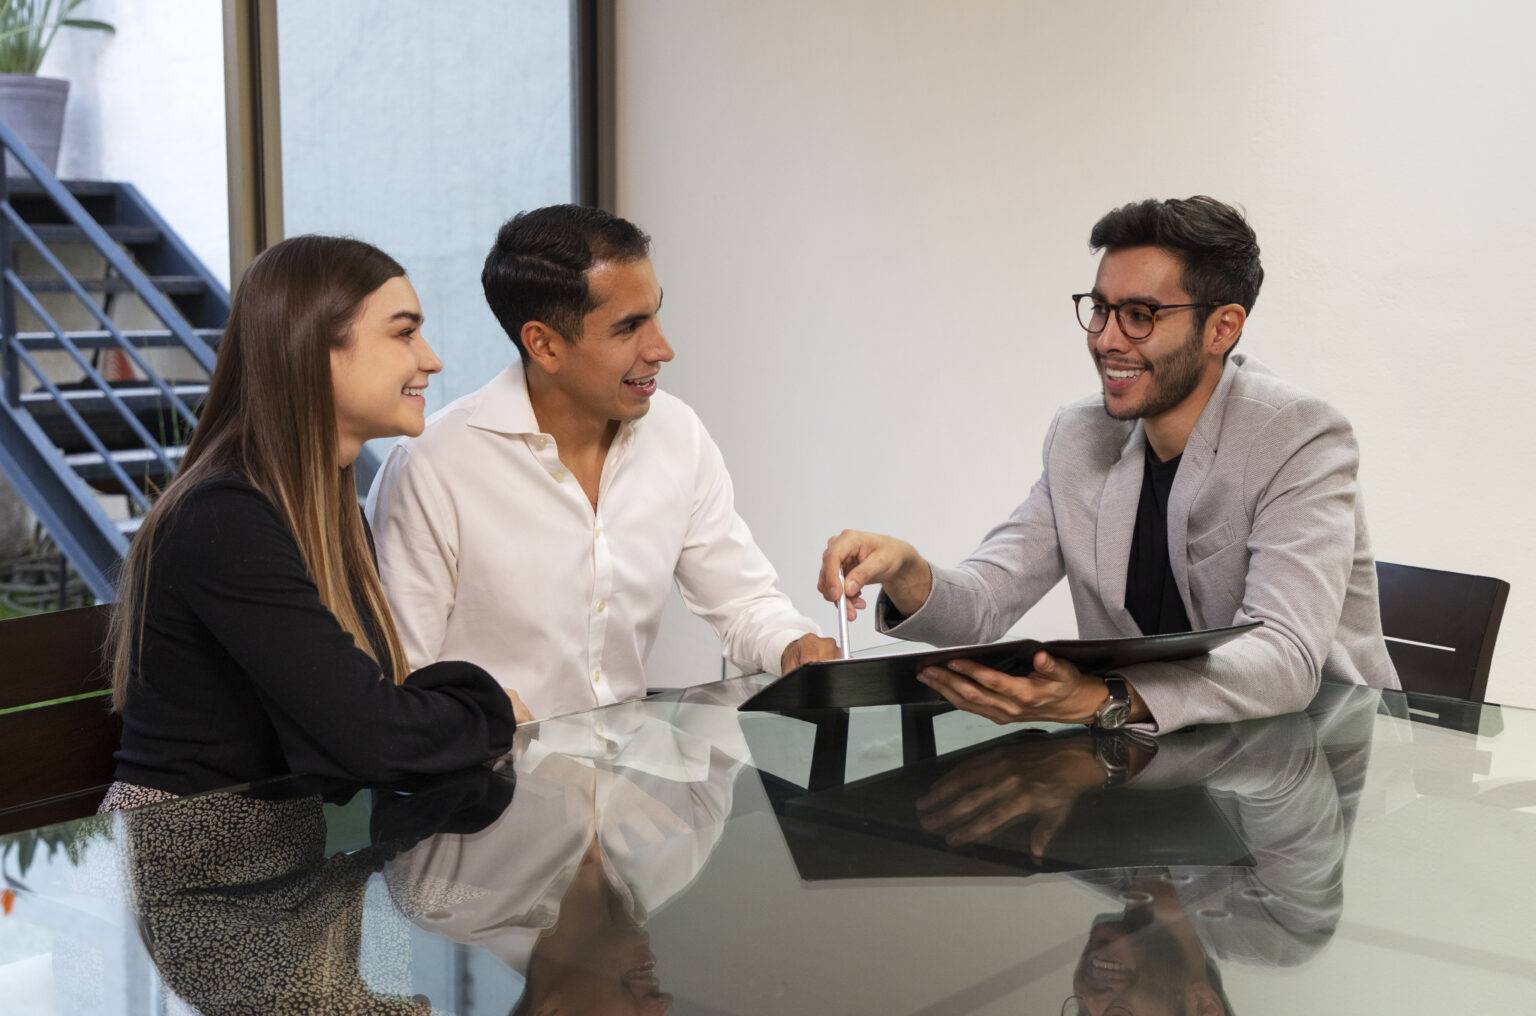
(1148, 960)
(1282, 790)
(595, 958)
(602, 832)
(1291, 785)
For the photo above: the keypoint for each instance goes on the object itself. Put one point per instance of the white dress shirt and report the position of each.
(490, 551)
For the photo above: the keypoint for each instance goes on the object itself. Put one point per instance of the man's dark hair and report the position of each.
(1219, 249)
(536, 270)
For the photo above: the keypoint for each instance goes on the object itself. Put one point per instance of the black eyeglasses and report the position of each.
(1136, 317)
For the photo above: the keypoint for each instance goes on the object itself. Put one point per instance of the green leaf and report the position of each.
(88, 23)
(28, 27)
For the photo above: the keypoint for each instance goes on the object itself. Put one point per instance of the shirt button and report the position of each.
(559, 475)
(597, 675)
(597, 531)
(541, 443)
(602, 605)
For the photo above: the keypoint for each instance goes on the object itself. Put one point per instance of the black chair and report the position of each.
(58, 755)
(1441, 627)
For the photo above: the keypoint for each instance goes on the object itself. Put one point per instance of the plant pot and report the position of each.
(33, 107)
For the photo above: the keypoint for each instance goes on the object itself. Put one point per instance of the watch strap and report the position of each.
(1116, 710)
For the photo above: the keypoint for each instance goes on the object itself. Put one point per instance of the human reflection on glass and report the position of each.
(1037, 781)
(616, 813)
(595, 958)
(1287, 786)
(1149, 959)
(242, 911)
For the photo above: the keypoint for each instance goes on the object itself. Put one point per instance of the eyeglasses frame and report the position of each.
(1155, 308)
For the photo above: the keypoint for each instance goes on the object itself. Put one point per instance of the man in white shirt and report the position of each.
(537, 525)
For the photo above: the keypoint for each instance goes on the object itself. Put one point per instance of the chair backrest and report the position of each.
(57, 735)
(1440, 628)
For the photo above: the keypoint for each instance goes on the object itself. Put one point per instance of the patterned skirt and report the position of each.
(122, 796)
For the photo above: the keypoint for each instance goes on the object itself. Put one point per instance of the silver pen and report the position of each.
(842, 616)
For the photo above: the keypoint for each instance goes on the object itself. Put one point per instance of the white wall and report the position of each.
(146, 106)
(869, 215)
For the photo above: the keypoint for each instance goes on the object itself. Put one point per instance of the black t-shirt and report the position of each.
(244, 673)
(1151, 595)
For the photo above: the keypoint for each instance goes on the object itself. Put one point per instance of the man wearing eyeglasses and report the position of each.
(1195, 490)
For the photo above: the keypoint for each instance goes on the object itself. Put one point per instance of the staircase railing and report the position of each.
(53, 483)
(15, 356)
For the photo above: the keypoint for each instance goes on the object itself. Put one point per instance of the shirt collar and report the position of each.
(505, 408)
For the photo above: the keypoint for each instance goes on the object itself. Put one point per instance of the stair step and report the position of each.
(135, 462)
(137, 397)
(26, 186)
(149, 339)
(144, 402)
(56, 233)
(168, 284)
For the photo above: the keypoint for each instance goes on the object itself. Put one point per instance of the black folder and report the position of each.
(892, 680)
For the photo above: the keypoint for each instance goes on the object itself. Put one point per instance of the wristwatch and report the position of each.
(1114, 754)
(1116, 710)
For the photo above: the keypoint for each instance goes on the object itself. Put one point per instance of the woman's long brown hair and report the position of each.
(271, 419)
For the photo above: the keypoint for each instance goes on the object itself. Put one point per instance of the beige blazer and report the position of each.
(1265, 523)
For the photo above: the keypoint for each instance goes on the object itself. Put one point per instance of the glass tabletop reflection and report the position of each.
(677, 855)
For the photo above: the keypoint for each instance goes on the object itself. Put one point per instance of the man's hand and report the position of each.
(1056, 691)
(869, 558)
(807, 649)
(1035, 779)
(520, 712)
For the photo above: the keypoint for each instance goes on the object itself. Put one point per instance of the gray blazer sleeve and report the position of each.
(981, 598)
(1301, 483)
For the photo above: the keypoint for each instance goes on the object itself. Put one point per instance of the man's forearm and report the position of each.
(910, 587)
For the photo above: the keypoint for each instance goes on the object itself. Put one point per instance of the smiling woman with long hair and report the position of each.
(251, 638)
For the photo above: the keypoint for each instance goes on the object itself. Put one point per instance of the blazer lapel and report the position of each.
(1116, 526)
(1194, 467)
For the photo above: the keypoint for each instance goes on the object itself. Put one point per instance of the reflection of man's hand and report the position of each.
(1036, 779)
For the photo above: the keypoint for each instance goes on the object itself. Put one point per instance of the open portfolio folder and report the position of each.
(892, 680)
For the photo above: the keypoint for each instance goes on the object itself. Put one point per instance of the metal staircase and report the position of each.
(108, 325)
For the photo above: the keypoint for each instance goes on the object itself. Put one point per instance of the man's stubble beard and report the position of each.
(1175, 376)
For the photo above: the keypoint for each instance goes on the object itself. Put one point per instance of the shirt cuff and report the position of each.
(774, 646)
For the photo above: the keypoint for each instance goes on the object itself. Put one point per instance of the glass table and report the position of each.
(675, 854)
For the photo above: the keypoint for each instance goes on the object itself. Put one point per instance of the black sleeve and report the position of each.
(231, 559)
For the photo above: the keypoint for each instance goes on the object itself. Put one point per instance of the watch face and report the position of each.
(1114, 715)
(1114, 753)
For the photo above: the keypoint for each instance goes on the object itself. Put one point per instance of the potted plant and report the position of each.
(32, 106)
